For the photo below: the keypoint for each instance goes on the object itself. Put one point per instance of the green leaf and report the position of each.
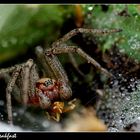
(129, 39)
(24, 26)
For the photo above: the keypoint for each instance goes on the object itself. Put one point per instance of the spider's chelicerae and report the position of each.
(47, 93)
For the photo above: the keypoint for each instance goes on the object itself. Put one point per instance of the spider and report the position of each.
(53, 93)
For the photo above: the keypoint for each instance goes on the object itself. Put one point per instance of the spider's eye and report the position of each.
(48, 82)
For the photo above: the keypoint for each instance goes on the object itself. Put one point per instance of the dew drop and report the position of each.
(112, 129)
(45, 124)
(14, 114)
(122, 50)
(1, 116)
(128, 98)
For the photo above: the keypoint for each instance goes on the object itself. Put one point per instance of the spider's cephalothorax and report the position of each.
(48, 91)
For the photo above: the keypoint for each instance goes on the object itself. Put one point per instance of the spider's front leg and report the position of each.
(9, 89)
(57, 73)
(74, 49)
(12, 82)
(53, 91)
(59, 47)
(26, 71)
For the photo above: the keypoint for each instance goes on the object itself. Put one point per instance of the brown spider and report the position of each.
(47, 93)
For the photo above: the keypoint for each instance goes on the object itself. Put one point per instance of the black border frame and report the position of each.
(71, 135)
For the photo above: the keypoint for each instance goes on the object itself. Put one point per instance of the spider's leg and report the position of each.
(60, 75)
(47, 70)
(74, 63)
(16, 91)
(33, 78)
(52, 65)
(71, 105)
(57, 72)
(26, 80)
(69, 35)
(8, 70)
(74, 32)
(56, 68)
(8, 92)
(74, 49)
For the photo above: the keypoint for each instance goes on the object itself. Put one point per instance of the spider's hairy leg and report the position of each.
(26, 80)
(56, 67)
(8, 70)
(60, 75)
(74, 63)
(43, 63)
(74, 32)
(16, 91)
(71, 105)
(52, 65)
(9, 89)
(74, 49)
(33, 78)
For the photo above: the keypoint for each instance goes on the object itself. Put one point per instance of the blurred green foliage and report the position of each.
(24, 26)
(126, 17)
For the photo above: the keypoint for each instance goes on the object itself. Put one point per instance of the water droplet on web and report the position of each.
(1, 116)
(115, 82)
(134, 42)
(123, 95)
(112, 129)
(122, 50)
(113, 96)
(128, 98)
(111, 82)
(45, 124)
(134, 47)
(14, 114)
(132, 79)
(122, 88)
(122, 104)
(119, 75)
(133, 89)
